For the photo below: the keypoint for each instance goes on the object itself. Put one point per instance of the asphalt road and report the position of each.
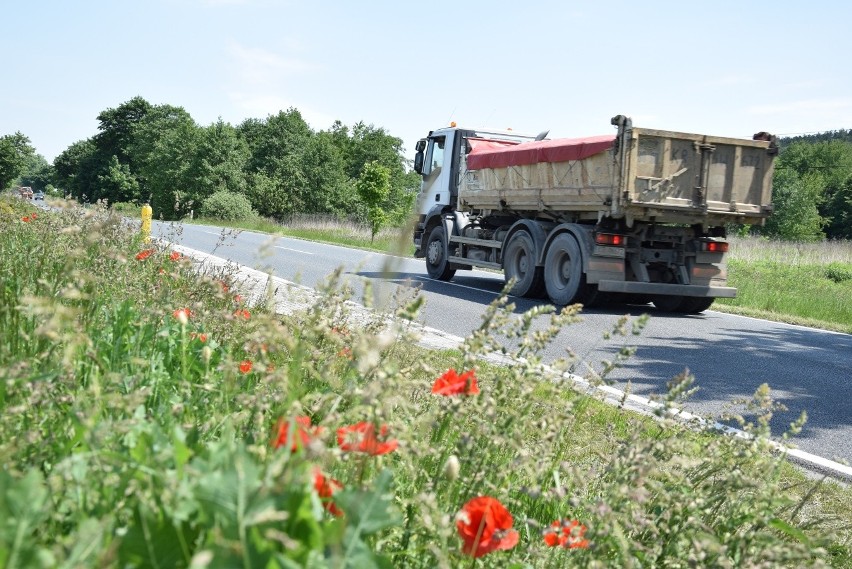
(730, 356)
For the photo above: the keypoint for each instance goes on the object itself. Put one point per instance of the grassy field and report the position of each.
(152, 418)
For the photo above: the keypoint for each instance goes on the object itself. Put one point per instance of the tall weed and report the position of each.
(153, 418)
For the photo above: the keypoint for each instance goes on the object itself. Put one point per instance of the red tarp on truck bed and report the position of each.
(500, 154)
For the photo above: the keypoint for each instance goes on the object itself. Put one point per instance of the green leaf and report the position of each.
(22, 507)
(154, 541)
(791, 531)
(370, 511)
(367, 512)
(88, 543)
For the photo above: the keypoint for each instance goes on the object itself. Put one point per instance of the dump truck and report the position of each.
(639, 215)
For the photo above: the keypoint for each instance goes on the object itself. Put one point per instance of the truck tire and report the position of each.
(563, 272)
(519, 263)
(668, 303)
(683, 304)
(695, 304)
(437, 257)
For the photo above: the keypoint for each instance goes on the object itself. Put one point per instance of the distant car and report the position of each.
(38, 195)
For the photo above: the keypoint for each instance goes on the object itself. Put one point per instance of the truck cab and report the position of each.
(438, 160)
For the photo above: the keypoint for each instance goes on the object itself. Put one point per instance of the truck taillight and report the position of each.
(714, 247)
(613, 239)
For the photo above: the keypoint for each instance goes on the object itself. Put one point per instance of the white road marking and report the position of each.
(212, 233)
(294, 250)
(458, 285)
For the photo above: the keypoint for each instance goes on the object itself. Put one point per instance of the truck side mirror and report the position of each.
(419, 157)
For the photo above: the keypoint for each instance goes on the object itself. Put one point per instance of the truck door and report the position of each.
(435, 189)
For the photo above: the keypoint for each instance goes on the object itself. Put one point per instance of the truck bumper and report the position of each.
(667, 289)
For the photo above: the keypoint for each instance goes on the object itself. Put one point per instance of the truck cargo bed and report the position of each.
(639, 174)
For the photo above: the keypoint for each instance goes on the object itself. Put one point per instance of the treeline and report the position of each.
(279, 166)
(158, 154)
(812, 188)
(842, 134)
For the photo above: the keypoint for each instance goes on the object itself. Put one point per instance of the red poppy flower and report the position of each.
(326, 487)
(25, 219)
(245, 366)
(452, 383)
(242, 313)
(303, 434)
(361, 437)
(33, 215)
(566, 533)
(186, 312)
(339, 331)
(142, 255)
(238, 298)
(175, 256)
(346, 352)
(485, 525)
(200, 337)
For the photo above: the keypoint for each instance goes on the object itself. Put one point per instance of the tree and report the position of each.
(373, 188)
(118, 182)
(15, 154)
(75, 169)
(118, 129)
(37, 174)
(220, 159)
(796, 201)
(368, 143)
(811, 180)
(277, 181)
(168, 165)
(326, 188)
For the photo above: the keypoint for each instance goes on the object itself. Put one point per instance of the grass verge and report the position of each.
(152, 418)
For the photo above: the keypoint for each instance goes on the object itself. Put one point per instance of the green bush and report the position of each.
(838, 272)
(127, 208)
(227, 206)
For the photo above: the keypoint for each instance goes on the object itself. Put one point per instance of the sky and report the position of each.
(726, 68)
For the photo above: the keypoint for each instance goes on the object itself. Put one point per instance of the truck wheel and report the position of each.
(437, 263)
(563, 272)
(669, 303)
(695, 304)
(519, 263)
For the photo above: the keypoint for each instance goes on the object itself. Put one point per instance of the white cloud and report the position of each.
(257, 67)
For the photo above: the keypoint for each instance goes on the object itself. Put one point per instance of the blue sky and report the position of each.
(728, 68)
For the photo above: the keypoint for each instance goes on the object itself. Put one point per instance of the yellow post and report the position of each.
(147, 214)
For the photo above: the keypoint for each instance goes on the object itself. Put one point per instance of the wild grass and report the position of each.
(801, 283)
(152, 418)
(761, 250)
(323, 228)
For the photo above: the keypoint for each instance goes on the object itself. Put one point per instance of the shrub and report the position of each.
(227, 206)
(127, 208)
(838, 272)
